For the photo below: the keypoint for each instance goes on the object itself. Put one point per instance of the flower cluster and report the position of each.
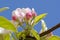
(23, 14)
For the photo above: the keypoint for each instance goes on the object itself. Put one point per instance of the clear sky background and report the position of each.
(52, 7)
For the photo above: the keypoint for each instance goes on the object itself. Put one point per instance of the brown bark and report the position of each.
(50, 30)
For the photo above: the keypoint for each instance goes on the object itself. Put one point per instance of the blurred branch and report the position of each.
(3, 9)
(50, 30)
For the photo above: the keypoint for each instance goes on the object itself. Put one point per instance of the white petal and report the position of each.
(18, 9)
(23, 10)
(23, 14)
(28, 10)
(17, 13)
(33, 9)
(13, 13)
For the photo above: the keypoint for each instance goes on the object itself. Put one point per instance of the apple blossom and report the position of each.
(21, 14)
(17, 14)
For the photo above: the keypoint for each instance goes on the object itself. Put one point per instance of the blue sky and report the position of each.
(52, 7)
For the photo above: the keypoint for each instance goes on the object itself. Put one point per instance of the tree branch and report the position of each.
(50, 30)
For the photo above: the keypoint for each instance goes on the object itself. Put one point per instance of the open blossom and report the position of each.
(17, 14)
(21, 13)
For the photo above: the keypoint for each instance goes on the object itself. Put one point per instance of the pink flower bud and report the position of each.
(28, 15)
(14, 18)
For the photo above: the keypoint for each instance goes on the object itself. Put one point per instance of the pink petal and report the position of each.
(28, 15)
(14, 18)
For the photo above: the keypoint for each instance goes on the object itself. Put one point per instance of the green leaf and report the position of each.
(4, 23)
(38, 18)
(35, 34)
(19, 34)
(3, 9)
(54, 38)
(1, 37)
(6, 37)
(43, 38)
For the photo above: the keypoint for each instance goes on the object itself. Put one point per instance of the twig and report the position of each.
(50, 30)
